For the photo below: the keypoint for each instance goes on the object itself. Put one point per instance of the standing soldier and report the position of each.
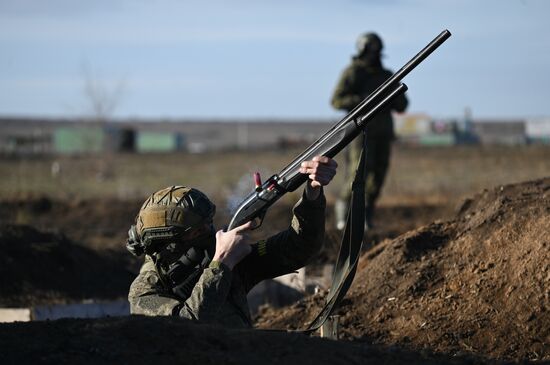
(358, 80)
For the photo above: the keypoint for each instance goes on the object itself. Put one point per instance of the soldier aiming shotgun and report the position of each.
(192, 271)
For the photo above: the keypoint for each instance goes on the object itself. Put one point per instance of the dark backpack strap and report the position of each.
(350, 247)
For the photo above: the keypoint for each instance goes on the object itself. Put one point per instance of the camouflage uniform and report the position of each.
(357, 81)
(220, 294)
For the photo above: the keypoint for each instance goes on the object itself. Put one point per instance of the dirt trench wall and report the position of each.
(478, 283)
(46, 268)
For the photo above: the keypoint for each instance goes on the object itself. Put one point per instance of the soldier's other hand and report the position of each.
(320, 170)
(233, 246)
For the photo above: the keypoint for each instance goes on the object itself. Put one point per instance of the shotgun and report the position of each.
(256, 204)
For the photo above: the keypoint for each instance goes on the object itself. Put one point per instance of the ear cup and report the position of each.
(134, 244)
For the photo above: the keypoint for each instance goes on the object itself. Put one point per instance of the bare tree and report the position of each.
(102, 101)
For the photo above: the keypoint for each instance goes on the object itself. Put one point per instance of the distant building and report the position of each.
(538, 130)
(194, 136)
(33, 143)
(119, 139)
(78, 139)
(42, 136)
(421, 129)
(500, 132)
(147, 141)
(409, 127)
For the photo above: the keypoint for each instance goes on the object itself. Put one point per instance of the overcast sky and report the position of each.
(181, 59)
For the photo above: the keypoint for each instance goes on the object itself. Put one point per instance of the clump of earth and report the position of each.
(478, 283)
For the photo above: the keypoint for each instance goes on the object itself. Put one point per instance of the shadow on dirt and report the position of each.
(45, 268)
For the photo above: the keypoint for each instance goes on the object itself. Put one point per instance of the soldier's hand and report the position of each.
(320, 170)
(233, 246)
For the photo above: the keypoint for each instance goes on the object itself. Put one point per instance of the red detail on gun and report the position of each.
(258, 181)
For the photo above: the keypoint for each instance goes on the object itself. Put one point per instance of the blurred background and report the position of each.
(104, 102)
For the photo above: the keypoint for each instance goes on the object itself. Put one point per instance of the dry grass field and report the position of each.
(429, 173)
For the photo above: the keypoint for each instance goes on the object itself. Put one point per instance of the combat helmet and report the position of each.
(174, 227)
(369, 44)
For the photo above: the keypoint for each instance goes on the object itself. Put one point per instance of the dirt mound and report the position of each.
(95, 223)
(169, 340)
(478, 283)
(46, 268)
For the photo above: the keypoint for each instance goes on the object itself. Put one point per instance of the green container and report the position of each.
(157, 142)
(444, 139)
(78, 139)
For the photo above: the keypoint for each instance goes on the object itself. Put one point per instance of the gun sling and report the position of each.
(350, 246)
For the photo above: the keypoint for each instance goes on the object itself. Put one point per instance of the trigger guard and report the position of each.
(261, 219)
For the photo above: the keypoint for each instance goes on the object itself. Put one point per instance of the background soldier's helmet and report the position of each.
(369, 43)
(174, 227)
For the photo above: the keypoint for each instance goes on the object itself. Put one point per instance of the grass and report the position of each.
(429, 173)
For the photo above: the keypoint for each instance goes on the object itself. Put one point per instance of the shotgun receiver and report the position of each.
(255, 205)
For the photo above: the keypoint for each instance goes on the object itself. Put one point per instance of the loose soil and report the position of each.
(477, 283)
(165, 340)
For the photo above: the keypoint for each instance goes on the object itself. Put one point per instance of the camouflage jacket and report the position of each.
(357, 81)
(220, 294)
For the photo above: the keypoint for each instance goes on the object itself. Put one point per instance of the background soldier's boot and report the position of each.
(340, 212)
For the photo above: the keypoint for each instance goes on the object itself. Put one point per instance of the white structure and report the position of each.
(538, 129)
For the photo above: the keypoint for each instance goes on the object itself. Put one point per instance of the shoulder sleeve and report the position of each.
(209, 294)
(347, 92)
(148, 296)
(289, 250)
